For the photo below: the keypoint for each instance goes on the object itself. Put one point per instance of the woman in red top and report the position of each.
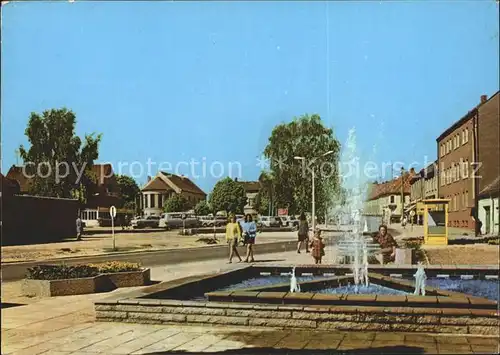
(317, 247)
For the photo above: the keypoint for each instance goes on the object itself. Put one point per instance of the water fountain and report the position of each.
(294, 285)
(420, 278)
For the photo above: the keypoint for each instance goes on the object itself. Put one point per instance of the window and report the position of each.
(146, 204)
(457, 198)
(152, 201)
(392, 199)
(466, 135)
(465, 173)
(160, 200)
(466, 204)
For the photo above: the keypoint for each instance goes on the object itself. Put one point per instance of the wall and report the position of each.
(159, 198)
(488, 142)
(492, 205)
(32, 219)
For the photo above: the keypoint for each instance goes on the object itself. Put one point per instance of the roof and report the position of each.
(464, 119)
(491, 189)
(9, 186)
(392, 187)
(168, 181)
(250, 186)
(16, 173)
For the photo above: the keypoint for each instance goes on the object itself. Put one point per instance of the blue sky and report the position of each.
(175, 81)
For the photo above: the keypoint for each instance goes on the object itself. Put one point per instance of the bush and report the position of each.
(494, 241)
(116, 266)
(61, 272)
(412, 244)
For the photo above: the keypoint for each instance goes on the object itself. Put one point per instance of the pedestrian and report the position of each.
(317, 247)
(387, 244)
(79, 227)
(233, 233)
(303, 233)
(249, 234)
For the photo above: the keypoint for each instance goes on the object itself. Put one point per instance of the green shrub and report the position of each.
(61, 272)
(494, 241)
(116, 266)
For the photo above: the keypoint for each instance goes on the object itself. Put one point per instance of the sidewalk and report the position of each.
(65, 325)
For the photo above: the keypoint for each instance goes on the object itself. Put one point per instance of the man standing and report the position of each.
(79, 227)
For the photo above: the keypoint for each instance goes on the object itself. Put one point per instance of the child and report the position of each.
(317, 247)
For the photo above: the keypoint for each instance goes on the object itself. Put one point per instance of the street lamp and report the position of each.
(313, 192)
(402, 193)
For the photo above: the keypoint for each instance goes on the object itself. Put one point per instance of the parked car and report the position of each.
(148, 222)
(175, 220)
(269, 221)
(289, 221)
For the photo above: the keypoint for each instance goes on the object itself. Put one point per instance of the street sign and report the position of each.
(112, 211)
(282, 211)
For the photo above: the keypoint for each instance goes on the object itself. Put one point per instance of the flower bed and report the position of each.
(60, 280)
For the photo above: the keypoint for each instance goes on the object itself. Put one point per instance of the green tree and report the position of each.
(202, 208)
(176, 203)
(228, 195)
(57, 159)
(262, 202)
(306, 137)
(129, 190)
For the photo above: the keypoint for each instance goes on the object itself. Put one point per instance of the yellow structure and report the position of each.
(436, 221)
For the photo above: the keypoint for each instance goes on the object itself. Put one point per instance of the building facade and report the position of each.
(387, 199)
(465, 152)
(165, 185)
(488, 172)
(423, 186)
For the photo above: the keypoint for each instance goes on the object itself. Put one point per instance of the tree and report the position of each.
(57, 156)
(307, 137)
(262, 202)
(202, 208)
(176, 203)
(228, 195)
(129, 190)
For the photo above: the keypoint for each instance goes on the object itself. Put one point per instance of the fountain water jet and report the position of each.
(420, 278)
(294, 285)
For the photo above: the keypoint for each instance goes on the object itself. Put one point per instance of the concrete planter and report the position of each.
(130, 278)
(50, 288)
(86, 285)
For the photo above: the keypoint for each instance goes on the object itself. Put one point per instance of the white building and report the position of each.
(488, 211)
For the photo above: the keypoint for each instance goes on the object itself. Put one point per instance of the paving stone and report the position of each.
(142, 342)
(169, 343)
(200, 344)
(417, 338)
(107, 345)
(453, 349)
(480, 349)
(354, 345)
(389, 336)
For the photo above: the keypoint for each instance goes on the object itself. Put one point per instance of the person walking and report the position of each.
(79, 227)
(303, 233)
(317, 247)
(249, 234)
(233, 233)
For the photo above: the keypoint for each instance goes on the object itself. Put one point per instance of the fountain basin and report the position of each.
(272, 305)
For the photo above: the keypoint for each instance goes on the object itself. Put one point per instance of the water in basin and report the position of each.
(371, 289)
(480, 288)
(268, 281)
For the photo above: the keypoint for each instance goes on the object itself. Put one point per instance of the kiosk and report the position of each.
(436, 221)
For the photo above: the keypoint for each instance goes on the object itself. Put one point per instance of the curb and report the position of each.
(17, 270)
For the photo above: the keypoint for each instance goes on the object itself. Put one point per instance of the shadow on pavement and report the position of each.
(10, 305)
(380, 350)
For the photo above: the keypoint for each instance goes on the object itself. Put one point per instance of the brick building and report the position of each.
(488, 173)
(424, 186)
(458, 156)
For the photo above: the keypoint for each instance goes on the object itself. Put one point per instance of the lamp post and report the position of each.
(313, 188)
(402, 193)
